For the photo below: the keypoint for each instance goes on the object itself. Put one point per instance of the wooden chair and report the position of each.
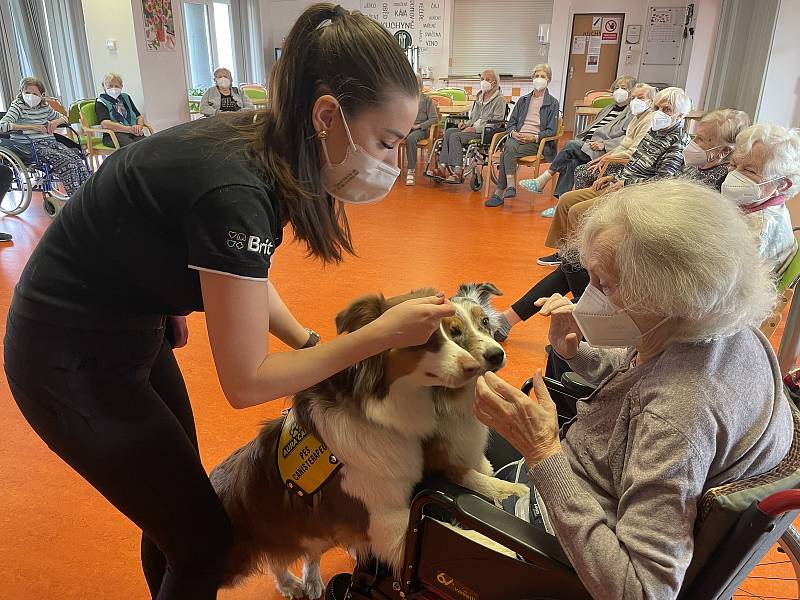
(441, 100)
(56, 105)
(534, 161)
(94, 132)
(468, 89)
(590, 96)
(424, 145)
(256, 92)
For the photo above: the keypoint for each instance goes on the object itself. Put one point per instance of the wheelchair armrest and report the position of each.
(577, 385)
(531, 543)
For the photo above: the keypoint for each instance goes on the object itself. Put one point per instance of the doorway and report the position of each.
(594, 55)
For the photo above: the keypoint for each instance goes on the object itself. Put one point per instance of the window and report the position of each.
(209, 41)
(500, 35)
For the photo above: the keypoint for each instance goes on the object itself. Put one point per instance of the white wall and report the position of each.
(113, 19)
(780, 100)
(166, 101)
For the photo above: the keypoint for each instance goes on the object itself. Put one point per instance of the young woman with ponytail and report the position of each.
(183, 222)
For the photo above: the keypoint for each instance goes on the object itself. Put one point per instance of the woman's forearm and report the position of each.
(282, 323)
(114, 126)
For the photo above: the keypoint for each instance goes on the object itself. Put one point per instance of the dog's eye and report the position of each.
(485, 322)
(455, 332)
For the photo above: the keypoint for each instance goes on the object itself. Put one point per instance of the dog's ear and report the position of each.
(487, 289)
(359, 313)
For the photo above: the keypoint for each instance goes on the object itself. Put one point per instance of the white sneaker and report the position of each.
(410, 179)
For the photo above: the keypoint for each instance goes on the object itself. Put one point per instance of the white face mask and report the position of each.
(603, 324)
(224, 82)
(539, 83)
(114, 92)
(742, 190)
(661, 121)
(694, 155)
(32, 100)
(620, 95)
(638, 106)
(485, 85)
(360, 178)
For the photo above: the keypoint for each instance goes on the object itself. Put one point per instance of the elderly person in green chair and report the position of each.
(223, 96)
(535, 116)
(116, 112)
(31, 120)
(689, 392)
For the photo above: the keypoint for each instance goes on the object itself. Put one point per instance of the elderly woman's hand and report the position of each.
(602, 182)
(564, 334)
(597, 145)
(529, 424)
(137, 130)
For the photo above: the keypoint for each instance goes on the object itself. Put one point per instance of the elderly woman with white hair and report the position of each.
(490, 105)
(223, 96)
(707, 157)
(603, 135)
(535, 116)
(117, 112)
(31, 120)
(766, 170)
(659, 155)
(689, 393)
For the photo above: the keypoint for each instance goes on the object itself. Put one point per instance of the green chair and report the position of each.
(95, 147)
(786, 284)
(602, 102)
(256, 93)
(455, 94)
(74, 116)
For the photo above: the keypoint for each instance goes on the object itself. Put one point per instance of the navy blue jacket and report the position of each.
(548, 120)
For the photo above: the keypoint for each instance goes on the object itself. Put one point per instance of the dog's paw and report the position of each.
(506, 489)
(291, 586)
(314, 587)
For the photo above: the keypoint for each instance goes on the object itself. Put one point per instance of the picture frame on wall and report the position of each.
(159, 25)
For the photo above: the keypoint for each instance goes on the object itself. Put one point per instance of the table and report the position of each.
(456, 108)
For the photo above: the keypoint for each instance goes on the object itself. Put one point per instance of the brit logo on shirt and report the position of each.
(252, 243)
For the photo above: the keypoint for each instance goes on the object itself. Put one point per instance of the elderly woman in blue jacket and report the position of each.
(535, 116)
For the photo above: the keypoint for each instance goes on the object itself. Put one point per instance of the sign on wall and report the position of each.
(159, 25)
(423, 20)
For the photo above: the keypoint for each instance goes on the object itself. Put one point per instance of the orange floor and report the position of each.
(59, 539)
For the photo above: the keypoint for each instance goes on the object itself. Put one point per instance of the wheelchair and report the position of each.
(32, 174)
(737, 525)
(476, 153)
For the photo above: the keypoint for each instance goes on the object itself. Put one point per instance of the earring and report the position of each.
(323, 135)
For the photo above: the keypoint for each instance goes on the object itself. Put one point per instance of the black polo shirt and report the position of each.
(130, 243)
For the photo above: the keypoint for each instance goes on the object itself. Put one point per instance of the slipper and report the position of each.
(494, 200)
(510, 193)
(455, 179)
(549, 212)
(531, 185)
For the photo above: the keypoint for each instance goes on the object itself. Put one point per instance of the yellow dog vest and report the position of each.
(304, 461)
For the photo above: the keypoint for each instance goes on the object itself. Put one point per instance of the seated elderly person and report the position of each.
(641, 105)
(604, 134)
(427, 117)
(689, 396)
(535, 116)
(490, 105)
(660, 155)
(29, 117)
(116, 112)
(223, 96)
(766, 163)
(707, 156)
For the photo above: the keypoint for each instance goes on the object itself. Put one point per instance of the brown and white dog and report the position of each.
(384, 419)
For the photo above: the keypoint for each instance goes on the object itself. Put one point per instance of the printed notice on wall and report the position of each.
(579, 44)
(423, 19)
(611, 27)
(592, 63)
(594, 44)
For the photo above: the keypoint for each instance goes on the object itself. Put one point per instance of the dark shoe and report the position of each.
(5, 237)
(552, 260)
(493, 200)
(510, 193)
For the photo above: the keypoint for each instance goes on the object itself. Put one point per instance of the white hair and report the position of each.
(651, 91)
(681, 251)
(679, 100)
(629, 80)
(111, 77)
(494, 75)
(729, 123)
(782, 157)
(546, 68)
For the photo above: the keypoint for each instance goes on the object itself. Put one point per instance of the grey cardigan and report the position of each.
(212, 100)
(623, 493)
(612, 133)
(427, 116)
(493, 109)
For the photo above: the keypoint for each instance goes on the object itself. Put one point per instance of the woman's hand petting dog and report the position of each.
(412, 322)
(529, 424)
(564, 334)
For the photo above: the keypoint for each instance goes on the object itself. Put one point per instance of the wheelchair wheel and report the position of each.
(53, 203)
(18, 198)
(777, 576)
(494, 167)
(476, 182)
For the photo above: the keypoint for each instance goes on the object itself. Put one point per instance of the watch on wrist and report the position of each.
(313, 339)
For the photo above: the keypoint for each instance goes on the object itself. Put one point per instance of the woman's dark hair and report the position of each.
(328, 51)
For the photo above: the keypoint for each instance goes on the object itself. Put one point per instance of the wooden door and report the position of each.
(605, 28)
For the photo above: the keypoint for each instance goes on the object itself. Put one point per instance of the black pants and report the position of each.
(566, 278)
(113, 405)
(565, 164)
(6, 177)
(124, 139)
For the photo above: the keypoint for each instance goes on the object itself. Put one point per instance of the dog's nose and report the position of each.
(494, 357)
